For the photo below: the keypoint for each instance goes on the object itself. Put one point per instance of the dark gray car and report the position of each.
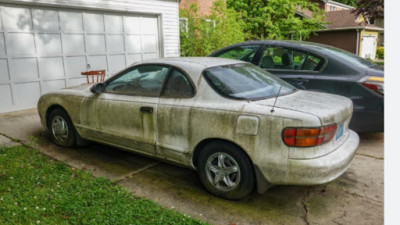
(321, 68)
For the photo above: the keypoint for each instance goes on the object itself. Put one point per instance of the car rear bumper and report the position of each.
(325, 168)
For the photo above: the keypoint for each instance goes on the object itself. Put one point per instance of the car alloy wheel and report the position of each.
(223, 172)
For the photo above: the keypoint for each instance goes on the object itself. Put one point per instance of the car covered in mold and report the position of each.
(240, 127)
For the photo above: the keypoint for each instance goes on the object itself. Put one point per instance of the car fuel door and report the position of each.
(125, 113)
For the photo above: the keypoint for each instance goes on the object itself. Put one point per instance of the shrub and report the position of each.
(206, 34)
(380, 52)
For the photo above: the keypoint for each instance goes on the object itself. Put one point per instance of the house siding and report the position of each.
(346, 39)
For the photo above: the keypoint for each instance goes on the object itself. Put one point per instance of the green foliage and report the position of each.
(37, 190)
(277, 19)
(380, 52)
(206, 34)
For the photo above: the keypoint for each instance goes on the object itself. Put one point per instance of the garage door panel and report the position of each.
(16, 18)
(98, 62)
(71, 21)
(51, 67)
(3, 70)
(20, 43)
(2, 44)
(6, 97)
(115, 43)
(48, 44)
(27, 94)
(95, 43)
(117, 63)
(25, 68)
(75, 65)
(113, 24)
(132, 58)
(148, 25)
(150, 56)
(52, 85)
(150, 43)
(45, 20)
(73, 43)
(94, 22)
(132, 24)
(133, 43)
(76, 81)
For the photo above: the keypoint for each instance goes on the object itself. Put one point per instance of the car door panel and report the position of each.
(120, 120)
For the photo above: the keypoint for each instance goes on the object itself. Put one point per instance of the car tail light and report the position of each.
(374, 84)
(308, 137)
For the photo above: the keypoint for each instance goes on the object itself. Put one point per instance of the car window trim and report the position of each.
(322, 67)
(184, 74)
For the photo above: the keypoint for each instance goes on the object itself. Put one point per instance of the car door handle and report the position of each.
(146, 109)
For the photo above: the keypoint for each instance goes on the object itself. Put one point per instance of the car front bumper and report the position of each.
(325, 168)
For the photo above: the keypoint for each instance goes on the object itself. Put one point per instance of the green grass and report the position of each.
(37, 190)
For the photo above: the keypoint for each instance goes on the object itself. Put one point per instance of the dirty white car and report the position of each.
(239, 126)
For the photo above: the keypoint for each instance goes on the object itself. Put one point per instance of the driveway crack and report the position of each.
(370, 156)
(133, 173)
(305, 203)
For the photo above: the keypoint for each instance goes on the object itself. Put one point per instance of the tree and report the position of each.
(372, 9)
(206, 34)
(278, 19)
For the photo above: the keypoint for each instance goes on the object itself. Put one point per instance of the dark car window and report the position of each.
(244, 53)
(177, 85)
(145, 80)
(346, 56)
(245, 81)
(289, 59)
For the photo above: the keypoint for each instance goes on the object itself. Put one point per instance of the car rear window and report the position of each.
(246, 81)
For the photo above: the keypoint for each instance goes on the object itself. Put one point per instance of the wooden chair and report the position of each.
(96, 76)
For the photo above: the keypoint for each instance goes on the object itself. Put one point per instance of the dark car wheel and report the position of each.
(62, 132)
(226, 171)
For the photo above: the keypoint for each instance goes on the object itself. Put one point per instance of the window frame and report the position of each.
(255, 57)
(183, 72)
(307, 52)
(170, 68)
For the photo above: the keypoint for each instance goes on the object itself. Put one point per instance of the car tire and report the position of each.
(226, 171)
(62, 132)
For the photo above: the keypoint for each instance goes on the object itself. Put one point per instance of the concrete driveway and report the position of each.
(355, 198)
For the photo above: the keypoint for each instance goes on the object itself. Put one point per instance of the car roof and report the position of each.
(192, 65)
(200, 62)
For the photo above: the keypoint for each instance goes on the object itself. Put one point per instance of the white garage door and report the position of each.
(368, 48)
(44, 49)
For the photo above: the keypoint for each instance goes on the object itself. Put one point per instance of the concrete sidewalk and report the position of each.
(355, 198)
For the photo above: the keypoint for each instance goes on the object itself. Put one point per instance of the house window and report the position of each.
(332, 8)
(183, 25)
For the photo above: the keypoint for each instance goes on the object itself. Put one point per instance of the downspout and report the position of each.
(358, 42)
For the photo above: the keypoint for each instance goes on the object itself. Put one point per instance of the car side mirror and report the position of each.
(98, 88)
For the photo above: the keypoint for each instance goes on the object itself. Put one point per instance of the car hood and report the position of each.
(328, 108)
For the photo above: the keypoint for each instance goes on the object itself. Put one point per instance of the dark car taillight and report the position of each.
(308, 137)
(374, 84)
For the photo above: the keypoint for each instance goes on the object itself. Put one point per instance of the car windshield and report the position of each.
(246, 81)
(350, 57)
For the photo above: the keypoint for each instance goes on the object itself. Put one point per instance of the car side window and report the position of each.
(177, 85)
(145, 80)
(244, 53)
(288, 59)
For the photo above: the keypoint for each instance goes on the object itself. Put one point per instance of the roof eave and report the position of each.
(352, 28)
